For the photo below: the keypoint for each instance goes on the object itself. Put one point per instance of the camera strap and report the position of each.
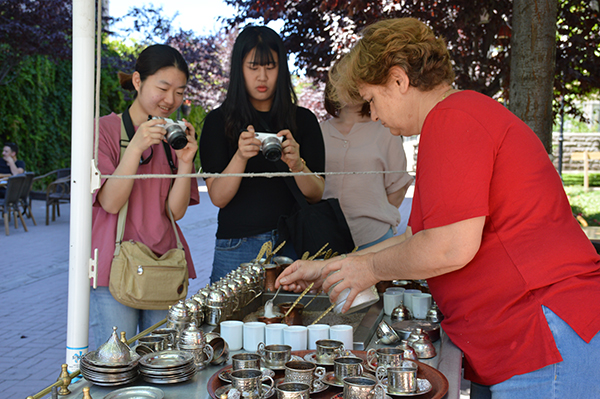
(128, 124)
(129, 129)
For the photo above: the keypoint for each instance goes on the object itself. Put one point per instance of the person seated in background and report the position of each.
(354, 143)
(9, 165)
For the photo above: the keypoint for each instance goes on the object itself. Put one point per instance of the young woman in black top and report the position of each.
(260, 98)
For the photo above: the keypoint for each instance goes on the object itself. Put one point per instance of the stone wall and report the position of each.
(576, 142)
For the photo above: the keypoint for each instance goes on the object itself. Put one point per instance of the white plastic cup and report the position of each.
(232, 333)
(421, 304)
(344, 333)
(296, 337)
(315, 333)
(391, 299)
(274, 333)
(254, 333)
(407, 297)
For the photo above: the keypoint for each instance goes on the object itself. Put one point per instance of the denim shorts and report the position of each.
(231, 253)
(577, 376)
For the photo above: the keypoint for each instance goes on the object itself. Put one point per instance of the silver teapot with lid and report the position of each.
(195, 310)
(216, 306)
(178, 316)
(193, 340)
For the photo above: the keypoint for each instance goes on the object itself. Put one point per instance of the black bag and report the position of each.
(310, 226)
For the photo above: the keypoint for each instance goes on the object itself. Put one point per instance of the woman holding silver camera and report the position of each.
(260, 99)
(159, 81)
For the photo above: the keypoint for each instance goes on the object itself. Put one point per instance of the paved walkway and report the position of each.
(33, 292)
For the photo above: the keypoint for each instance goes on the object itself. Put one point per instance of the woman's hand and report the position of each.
(354, 272)
(248, 144)
(187, 153)
(300, 274)
(290, 153)
(149, 133)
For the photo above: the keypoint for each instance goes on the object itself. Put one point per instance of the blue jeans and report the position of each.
(231, 253)
(577, 376)
(389, 234)
(106, 312)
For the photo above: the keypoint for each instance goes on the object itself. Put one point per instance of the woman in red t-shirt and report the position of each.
(491, 228)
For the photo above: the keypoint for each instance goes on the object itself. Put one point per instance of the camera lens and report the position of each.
(271, 148)
(176, 137)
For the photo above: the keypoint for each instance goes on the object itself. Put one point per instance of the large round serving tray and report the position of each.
(166, 359)
(136, 393)
(436, 378)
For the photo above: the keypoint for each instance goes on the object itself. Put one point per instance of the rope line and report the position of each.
(250, 175)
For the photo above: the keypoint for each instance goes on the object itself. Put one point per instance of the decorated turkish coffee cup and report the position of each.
(347, 367)
(304, 372)
(274, 356)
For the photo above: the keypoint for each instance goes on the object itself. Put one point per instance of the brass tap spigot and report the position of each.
(123, 337)
(65, 378)
(86, 393)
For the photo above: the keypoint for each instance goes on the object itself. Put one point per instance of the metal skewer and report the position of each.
(323, 314)
(298, 300)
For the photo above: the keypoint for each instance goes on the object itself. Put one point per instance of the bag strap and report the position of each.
(123, 210)
(291, 183)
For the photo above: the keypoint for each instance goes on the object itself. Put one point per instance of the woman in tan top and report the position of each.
(355, 143)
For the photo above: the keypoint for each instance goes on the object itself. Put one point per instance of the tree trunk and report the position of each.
(532, 52)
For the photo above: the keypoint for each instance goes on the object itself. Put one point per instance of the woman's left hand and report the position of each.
(290, 153)
(354, 272)
(187, 153)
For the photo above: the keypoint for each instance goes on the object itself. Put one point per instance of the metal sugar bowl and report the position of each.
(193, 340)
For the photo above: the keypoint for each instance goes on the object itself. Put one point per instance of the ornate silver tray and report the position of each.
(166, 359)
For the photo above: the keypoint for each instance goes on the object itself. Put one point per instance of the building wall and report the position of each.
(575, 142)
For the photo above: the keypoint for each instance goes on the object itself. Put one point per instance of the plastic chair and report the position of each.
(23, 201)
(11, 200)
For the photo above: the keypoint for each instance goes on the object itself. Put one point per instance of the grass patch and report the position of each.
(585, 204)
(576, 179)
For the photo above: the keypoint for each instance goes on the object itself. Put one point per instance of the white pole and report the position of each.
(81, 199)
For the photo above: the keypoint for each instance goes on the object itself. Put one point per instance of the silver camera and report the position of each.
(175, 136)
(270, 145)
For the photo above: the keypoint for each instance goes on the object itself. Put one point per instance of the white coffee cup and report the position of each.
(317, 332)
(296, 337)
(421, 304)
(344, 333)
(407, 298)
(274, 333)
(232, 333)
(391, 299)
(395, 289)
(254, 333)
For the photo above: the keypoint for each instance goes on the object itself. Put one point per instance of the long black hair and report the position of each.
(238, 111)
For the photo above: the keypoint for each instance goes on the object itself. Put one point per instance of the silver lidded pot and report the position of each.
(114, 352)
(178, 316)
(193, 340)
(195, 311)
(216, 306)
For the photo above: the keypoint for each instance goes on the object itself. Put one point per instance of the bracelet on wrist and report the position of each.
(302, 168)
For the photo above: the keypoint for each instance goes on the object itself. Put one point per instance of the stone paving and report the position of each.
(33, 292)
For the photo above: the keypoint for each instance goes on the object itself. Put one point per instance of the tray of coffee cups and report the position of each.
(430, 383)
